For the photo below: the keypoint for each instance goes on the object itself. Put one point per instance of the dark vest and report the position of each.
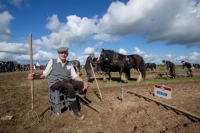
(58, 71)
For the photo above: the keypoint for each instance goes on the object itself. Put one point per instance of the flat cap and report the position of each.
(63, 49)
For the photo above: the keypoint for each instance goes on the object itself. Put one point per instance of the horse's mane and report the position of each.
(114, 52)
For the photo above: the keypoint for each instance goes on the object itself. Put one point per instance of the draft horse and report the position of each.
(115, 62)
(77, 66)
(151, 66)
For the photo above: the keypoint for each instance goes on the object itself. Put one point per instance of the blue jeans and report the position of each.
(89, 73)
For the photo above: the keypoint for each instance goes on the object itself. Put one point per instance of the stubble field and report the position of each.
(132, 115)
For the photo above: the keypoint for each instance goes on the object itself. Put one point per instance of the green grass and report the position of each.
(134, 75)
(147, 81)
(151, 81)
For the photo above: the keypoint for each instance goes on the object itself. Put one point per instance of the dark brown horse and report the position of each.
(112, 61)
(151, 66)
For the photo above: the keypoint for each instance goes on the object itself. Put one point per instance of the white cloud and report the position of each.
(174, 22)
(106, 37)
(16, 3)
(169, 56)
(76, 31)
(139, 52)
(54, 23)
(17, 48)
(90, 50)
(148, 19)
(122, 51)
(5, 19)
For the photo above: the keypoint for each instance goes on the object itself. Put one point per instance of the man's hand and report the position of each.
(165, 70)
(31, 76)
(85, 85)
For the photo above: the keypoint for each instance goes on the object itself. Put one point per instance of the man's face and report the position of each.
(63, 55)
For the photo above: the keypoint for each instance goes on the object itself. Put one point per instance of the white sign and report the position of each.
(163, 91)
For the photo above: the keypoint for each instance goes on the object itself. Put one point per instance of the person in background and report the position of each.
(87, 66)
(62, 76)
(190, 67)
(171, 67)
(97, 68)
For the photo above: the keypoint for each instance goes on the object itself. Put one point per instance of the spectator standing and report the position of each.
(87, 66)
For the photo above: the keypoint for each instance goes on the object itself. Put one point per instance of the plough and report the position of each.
(178, 74)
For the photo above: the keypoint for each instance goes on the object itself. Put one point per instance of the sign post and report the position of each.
(121, 95)
(163, 91)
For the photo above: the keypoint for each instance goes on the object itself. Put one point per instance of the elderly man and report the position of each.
(62, 76)
(88, 67)
(190, 68)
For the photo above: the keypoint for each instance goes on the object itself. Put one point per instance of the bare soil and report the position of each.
(132, 115)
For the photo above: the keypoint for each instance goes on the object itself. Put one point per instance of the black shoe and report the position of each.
(78, 114)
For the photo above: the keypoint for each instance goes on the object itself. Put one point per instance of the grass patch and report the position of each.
(148, 81)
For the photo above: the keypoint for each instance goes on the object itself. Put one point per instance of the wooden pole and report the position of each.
(167, 105)
(87, 103)
(31, 68)
(96, 82)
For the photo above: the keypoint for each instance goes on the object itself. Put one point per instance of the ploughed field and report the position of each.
(133, 114)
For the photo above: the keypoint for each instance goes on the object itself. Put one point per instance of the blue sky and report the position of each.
(154, 29)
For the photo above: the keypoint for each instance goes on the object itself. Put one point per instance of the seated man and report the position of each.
(62, 76)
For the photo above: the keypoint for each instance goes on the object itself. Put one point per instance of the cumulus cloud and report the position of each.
(122, 51)
(54, 23)
(5, 33)
(106, 37)
(169, 56)
(17, 48)
(191, 57)
(75, 31)
(173, 22)
(148, 20)
(148, 58)
(90, 50)
(139, 52)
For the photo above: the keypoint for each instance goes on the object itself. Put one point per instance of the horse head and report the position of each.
(106, 57)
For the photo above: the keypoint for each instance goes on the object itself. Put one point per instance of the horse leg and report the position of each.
(140, 76)
(104, 76)
(109, 76)
(123, 77)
